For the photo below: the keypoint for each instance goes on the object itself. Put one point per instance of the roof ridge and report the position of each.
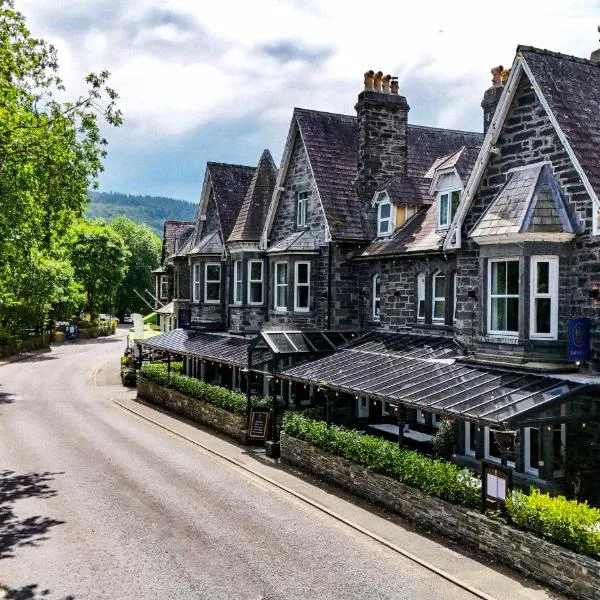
(577, 59)
(414, 126)
(323, 112)
(223, 164)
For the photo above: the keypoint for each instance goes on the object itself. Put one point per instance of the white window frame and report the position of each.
(437, 299)
(298, 285)
(387, 220)
(238, 270)
(421, 297)
(196, 283)
(486, 450)
(527, 451)
(491, 331)
(376, 297)
(163, 287)
(302, 208)
(410, 210)
(255, 281)
(277, 286)
(468, 450)
(213, 281)
(447, 213)
(552, 295)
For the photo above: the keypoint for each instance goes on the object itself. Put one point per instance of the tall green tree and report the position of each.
(50, 154)
(144, 255)
(99, 259)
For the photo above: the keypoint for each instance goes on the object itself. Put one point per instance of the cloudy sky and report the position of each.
(217, 79)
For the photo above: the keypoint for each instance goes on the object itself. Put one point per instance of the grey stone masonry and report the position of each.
(564, 570)
(211, 222)
(528, 137)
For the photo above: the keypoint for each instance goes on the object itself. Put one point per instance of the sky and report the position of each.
(217, 80)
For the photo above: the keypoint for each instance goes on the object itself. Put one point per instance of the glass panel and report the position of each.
(384, 226)
(472, 436)
(281, 295)
(498, 278)
(302, 273)
(385, 211)
(512, 277)
(438, 309)
(494, 448)
(455, 201)
(498, 320)
(421, 314)
(439, 282)
(256, 293)
(302, 296)
(558, 448)
(543, 278)
(282, 273)
(213, 272)
(443, 209)
(213, 291)
(534, 452)
(512, 314)
(543, 307)
(256, 270)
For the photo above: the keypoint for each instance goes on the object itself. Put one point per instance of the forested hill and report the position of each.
(152, 210)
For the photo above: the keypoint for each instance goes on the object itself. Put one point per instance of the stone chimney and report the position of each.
(382, 117)
(596, 53)
(491, 97)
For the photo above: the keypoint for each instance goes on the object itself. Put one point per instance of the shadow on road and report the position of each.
(28, 592)
(28, 531)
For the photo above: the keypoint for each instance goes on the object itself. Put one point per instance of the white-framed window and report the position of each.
(281, 285)
(491, 449)
(212, 283)
(409, 211)
(503, 297)
(196, 283)
(301, 208)
(302, 287)
(454, 295)
(438, 297)
(532, 450)
(376, 301)
(164, 287)
(470, 438)
(238, 269)
(448, 202)
(421, 296)
(543, 315)
(384, 217)
(255, 282)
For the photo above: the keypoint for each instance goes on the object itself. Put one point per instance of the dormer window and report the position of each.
(384, 217)
(448, 202)
(301, 207)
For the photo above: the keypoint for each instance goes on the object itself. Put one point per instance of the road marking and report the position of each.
(423, 563)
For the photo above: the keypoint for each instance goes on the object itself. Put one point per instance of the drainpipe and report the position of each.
(329, 267)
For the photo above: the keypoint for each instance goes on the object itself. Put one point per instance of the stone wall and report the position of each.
(558, 567)
(202, 412)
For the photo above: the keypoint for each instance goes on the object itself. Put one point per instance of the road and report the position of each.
(96, 503)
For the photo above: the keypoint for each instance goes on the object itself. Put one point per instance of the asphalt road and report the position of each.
(95, 503)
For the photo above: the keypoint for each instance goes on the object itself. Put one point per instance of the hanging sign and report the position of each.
(578, 340)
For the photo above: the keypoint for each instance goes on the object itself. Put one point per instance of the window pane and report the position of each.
(498, 278)
(281, 296)
(543, 308)
(494, 448)
(256, 293)
(439, 281)
(443, 209)
(534, 454)
(302, 296)
(438, 309)
(512, 277)
(472, 436)
(213, 291)
(302, 273)
(256, 270)
(455, 201)
(213, 272)
(543, 277)
(498, 317)
(282, 274)
(512, 314)
(384, 226)
(421, 314)
(385, 211)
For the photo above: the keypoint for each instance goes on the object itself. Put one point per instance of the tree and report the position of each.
(50, 154)
(99, 258)
(144, 255)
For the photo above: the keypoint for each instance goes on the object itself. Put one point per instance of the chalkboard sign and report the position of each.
(259, 424)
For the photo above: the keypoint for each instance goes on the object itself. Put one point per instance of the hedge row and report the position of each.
(434, 477)
(567, 522)
(224, 398)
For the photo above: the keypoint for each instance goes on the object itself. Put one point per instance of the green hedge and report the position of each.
(567, 522)
(434, 477)
(222, 397)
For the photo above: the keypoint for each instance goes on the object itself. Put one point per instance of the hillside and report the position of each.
(152, 210)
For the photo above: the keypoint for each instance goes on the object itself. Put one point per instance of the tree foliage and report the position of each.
(51, 151)
(144, 249)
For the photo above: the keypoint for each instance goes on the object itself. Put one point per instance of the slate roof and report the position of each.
(253, 213)
(423, 372)
(299, 241)
(172, 232)
(571, 87)
(229, 184)
(521, 207)
(209, 244)
(406, 190)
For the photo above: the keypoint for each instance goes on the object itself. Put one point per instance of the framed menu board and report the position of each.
(259, 424)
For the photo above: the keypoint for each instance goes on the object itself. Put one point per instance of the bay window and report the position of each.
(212, 283)
(237, 281)
(302, 287)
(503, 297)
(281, 286)
(543, 318)
(255, 282)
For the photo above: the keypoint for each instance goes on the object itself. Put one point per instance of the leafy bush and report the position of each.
(222, 397)
(434, 477)
(567, 522)
(177, 366)
(445, 440)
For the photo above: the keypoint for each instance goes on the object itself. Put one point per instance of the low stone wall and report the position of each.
(202, 412)
(564, 570)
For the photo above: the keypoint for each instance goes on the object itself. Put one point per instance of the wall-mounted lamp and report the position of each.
(595, 294)
(472, 293)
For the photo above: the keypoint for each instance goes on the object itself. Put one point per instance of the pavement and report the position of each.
(482, 578)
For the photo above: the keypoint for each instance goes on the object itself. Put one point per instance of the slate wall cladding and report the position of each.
(201, 412)
(212, 216)
(529, 137)
(182, 272)
(552, 565)
(298, 178)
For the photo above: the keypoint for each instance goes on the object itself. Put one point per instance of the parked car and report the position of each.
(127, 319)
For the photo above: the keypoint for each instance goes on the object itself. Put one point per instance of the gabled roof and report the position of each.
(172, 231)
(299, 241)
(251, 218)
(211, 243)
(406, 190)
(229, 186)
(521, 207)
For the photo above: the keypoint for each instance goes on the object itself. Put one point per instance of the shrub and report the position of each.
(434, 477)
(567, 522)
(445, 440)
(222, 397)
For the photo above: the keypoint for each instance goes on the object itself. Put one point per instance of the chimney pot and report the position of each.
(385, 84)
(377, 81)
(497, 75)
(369, 79)
(595, 56)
